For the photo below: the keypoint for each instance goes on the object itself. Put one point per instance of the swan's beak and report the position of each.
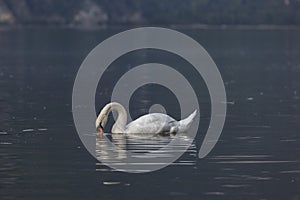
(100, 131)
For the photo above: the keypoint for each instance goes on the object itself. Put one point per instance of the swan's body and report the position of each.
(154, 123)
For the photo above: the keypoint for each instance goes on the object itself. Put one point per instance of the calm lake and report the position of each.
(257, 156)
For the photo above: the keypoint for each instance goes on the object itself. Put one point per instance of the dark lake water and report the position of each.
(257, 156)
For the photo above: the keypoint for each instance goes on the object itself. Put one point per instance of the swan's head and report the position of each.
(101, 122)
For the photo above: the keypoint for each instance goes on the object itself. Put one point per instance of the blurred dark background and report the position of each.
(94, 13)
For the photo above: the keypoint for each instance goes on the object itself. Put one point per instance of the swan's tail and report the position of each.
(185, 124)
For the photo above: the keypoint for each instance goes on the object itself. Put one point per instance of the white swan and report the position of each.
(154, 123)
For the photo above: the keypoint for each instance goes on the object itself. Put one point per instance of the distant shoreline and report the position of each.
(239, 27)
(173, 26)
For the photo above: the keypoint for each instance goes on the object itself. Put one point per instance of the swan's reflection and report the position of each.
(106, 151)
(118, 149)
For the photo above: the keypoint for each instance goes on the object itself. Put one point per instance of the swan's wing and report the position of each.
(152, 123)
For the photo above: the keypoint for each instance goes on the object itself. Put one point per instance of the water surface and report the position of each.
(257, 156)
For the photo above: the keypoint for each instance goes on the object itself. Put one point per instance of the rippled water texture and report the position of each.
(257, 157)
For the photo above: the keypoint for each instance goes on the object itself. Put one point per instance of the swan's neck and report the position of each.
(120, 124)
